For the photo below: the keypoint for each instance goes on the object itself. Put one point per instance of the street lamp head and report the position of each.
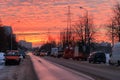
(84, 9)
(81, 7)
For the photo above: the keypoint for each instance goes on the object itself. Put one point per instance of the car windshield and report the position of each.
(12, 53)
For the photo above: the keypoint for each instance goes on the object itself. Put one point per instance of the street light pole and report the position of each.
(112, 35)
(87, 37)
(86, 25)
(11, 40)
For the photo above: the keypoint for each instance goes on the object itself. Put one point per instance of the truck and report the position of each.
(68, 53)
(12, 57)
(54, 52)
(74, 53)
(78, 55)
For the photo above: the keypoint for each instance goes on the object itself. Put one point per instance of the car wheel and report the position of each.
(94, 61)
(6, 63)
(18, 63)
(77, 59)
(99, 62)
(110, 63)
(89, 61)
(118, 63)
(104, 62)
(85, 59)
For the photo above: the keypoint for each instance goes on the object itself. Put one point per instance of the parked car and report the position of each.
(115, 56)
(97, 57)
(12, 56)
(43, 53)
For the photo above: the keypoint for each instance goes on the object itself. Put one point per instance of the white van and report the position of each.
(54, 52)
(115, 57)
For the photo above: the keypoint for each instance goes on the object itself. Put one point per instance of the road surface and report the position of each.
(48, 71)
(97, 71)
(49, 68)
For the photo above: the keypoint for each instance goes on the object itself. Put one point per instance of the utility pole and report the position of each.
(49, 38)
(112, 35)
(68, 34)
(11, 41)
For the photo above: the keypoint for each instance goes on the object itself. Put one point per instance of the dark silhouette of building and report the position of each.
(7, 39)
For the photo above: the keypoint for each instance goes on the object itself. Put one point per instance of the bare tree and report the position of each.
(114, 24)
(79, 29)
(115, 21)
(85, 31)
(91, 28)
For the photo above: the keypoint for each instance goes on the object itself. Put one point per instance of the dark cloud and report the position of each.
(65, 2)
(30, 1)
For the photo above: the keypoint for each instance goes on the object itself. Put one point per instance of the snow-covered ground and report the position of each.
(24, 71)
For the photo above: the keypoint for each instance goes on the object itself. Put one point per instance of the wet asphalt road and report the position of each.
(97, 71)
(46, 70)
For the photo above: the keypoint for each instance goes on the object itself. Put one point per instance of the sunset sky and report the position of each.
(43, 16)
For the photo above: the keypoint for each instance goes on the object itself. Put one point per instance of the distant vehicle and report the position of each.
(115, 56)
(22, 53)
(37, 53)
(74, 53)
(2, 58)
(97, 57)
(12, 56)
(43, 53)
(68, 53)
(60, 53)
(54, 52)
(48, 53)
(79, 55)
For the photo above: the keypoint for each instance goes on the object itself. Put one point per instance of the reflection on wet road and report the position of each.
(48, 71)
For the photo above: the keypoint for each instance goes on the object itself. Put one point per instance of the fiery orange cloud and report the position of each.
(50, 15)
